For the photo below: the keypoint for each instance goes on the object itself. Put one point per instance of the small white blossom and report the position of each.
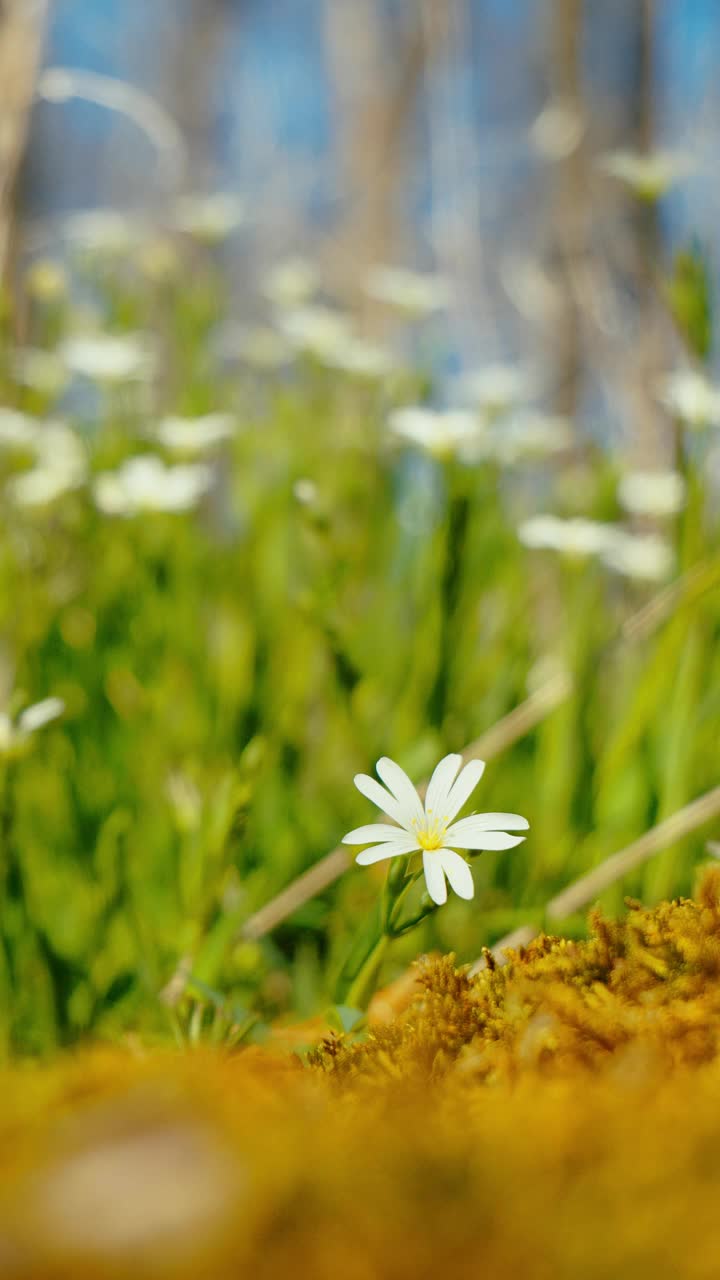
(417, 293)
(645, 556)
(42, 370)
(108, 358)
(652, 493)
(291, 282)
(649, 175)
(442, 433)
(210, 218)
(429, 828)
(196, 435)
(17, 430)
(61, 467)
(105, 232)
(145, 483)
(317, 329)
(496, 388)
(256, 345)
(360, 358)
(691, 397)
(15, 735)
(530, 434)
(578, 536)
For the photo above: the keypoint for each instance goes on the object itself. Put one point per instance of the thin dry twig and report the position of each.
(583, 891)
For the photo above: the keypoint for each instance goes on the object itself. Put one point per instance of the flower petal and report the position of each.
(440, 784)
(402, 788)
(458, 873)
(435, 877)
(373, 834)
(390, 850)
(463, 788)
(372, 790)
(480, 823)
(469, 839)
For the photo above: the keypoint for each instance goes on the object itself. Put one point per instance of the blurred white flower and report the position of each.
(61, 467)
(691, 397)
(496, 388)
(15, 735)
(109, 358)
(105, 231)
(17, 430)
(145, 483)
(429, 827)
(652, 493)
(291, 282)
(649, 175)
(578, 536)
(646, 556)
(317, 329)
(442, 433)
(530, 434)
(360, 358)
(417, 293)
(305, 492)
(558, 130)
(210, 218)
(196, 435)
(42, 370)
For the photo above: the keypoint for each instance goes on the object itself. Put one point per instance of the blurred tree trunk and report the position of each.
(376, 91)
(191, 60)
(570, 206)
(22, 26)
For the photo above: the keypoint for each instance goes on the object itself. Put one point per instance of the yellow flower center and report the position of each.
(430, 831)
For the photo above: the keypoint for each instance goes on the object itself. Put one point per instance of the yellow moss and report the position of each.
(556, 1118)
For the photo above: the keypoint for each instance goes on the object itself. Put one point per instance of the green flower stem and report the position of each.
(358, 996)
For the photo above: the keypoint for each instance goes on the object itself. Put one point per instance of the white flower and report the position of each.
(17, 430)
(209, 217)
(291, 282)
(440, 432)
(256, 345)
(196, 435)
(104, 231)
(652, 493)
(42, 370)
(530, 434)
(691, 397)
(418, 293)
(495, 388)
(111, 358)
(361, 358)
(578, 536)
(429, 827)
(645, 556)
(144, 483)
(650, 175)
(317, 329)
(61, 467)
(15, 735)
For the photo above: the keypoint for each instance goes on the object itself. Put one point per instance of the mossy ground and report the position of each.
(555, 1117)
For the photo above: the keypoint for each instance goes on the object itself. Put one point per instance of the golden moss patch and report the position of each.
(556, 1118)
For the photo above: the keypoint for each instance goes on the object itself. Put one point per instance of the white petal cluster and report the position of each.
(496, 388)
(691, 397)
(104, 232)
(652, 493)
(210, 218)
(443, 433)
(15, 735)
(648, 174)
(429, 828)
(61, 466)
(530, 435)
(109, 358)
(196, 435)
(291, 282)
(145, 483)
(317, 329)
(18, 431)
(415, 292)
(577, 537)
(645, 556)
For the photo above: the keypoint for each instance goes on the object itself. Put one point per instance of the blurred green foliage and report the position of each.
(227, 670)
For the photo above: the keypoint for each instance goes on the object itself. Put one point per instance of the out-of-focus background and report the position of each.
(357, 399)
